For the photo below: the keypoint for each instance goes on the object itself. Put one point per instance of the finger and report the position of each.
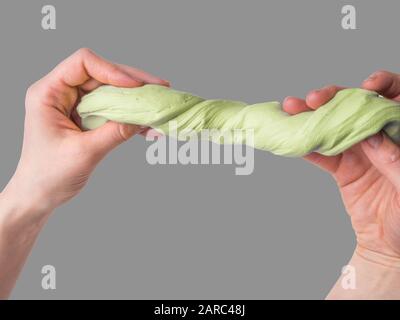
(319, 97)
(142, 75)
(135, 73)
(385, 156)
(108, 136)
(352, 166)
(151, 134)
(327, 163)
(385, 83)
(84, 65)
(294, 105)
(90, 85)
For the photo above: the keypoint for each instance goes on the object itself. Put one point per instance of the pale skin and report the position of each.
(368, 177)
(57, 159)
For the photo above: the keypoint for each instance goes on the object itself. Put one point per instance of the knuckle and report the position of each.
(40, 93)
(84, 52)
(122, 133)
(392, 156)
(31, 90)
(31, 94)
(125, 132)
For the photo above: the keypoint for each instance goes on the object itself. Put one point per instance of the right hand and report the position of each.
(368, 174)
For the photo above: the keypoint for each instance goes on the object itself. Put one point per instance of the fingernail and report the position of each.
(375, 141)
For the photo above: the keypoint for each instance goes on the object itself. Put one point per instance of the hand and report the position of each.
(57, 156)
(368, 174)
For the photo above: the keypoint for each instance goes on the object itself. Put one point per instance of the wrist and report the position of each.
(21, 219)
(388, 262)
(376, 276)
(22, 206)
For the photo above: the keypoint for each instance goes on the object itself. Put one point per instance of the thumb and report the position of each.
(385, 156)
(109, 135)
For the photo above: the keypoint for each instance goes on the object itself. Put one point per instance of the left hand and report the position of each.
(57, 156)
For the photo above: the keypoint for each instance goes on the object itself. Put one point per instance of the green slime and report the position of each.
(350, 117)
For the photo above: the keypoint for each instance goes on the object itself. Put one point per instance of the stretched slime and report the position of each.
(350, 117)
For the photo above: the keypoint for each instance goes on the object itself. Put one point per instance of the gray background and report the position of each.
(173, 231)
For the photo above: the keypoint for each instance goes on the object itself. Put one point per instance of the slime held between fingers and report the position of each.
(350, 117)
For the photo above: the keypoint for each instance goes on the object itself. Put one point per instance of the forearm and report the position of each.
(21, 219)
(376, 277)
